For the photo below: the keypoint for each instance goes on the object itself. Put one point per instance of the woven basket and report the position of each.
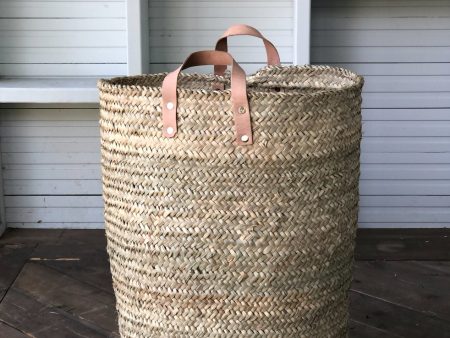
(212, 235)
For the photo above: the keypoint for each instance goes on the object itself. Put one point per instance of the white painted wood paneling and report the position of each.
(62, 38)
(178, 28)
(2, 200)
(51, 166)
(402, 48)
(51, 154)
(405, 144)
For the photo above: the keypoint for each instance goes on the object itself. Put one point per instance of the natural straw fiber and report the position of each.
(210, 239)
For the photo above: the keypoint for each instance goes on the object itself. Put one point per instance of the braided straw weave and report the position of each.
(210, 239)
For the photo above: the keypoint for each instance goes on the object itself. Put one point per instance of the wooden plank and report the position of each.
(78, 202)
(367, 23)
(379, 3)
(400, 114)
(82, 301)
(62, 39)
(2, 197)
(218, 5)
(52, 172)
(391, 69)
(406, 84)
(438, 266)
(11, 332)
(359, 330)
(51, 158)
(425, 158)
(403, 244)
(402, 225)
(69, 0)
(29, 237)
(73, 69)
(12, 258)
(214, 11)
(381, 12)
(406, 128)
(53, 187)
(49, 106)
(41, 320)
(379, 54)
(269, 23)
(396, 319)
(63, 55)
(374, 38)
(405, 201)
(405, 144)
(57, 25)
(62, 9)
(406, 100)
(407, 284)
(57, 225)
(389, 214)
(41, 113)
(63, 131)
(404, 187)
(54, 215)
(50, 145)
(90, 238)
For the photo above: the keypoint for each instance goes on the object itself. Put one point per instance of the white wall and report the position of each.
(402, 47)
(50, 153)
(178, 28)
(62, 38)
(51, 165)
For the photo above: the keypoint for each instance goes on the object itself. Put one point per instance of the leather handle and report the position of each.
(273, 58)
(239, 98)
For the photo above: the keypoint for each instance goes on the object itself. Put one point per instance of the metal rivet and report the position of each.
(241, 110)
(169, 105)
(169, 130)
(244, 138)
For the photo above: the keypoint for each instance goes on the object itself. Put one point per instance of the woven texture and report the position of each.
(210, 239)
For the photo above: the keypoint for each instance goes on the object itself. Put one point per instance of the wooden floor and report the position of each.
(56, 284)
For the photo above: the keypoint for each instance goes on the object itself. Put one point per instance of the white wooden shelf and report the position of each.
(48, 90)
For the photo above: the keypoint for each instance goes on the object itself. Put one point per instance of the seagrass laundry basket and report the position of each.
(231, 201)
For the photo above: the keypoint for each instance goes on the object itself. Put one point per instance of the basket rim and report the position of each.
(114, 84)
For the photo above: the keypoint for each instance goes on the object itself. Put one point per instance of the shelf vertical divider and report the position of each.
(138, 53)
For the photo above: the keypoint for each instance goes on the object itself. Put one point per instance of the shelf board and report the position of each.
(48, 90)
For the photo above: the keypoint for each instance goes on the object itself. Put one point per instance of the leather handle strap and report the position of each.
(273, 58)
(239, 98)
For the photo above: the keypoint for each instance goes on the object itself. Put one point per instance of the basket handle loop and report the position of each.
(239, 98)
(273, 58)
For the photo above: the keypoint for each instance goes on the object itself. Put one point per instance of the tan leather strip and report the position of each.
(239, 98)
(273, 58)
